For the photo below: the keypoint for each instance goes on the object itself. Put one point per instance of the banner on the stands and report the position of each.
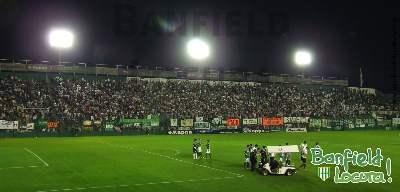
(324, 123)
(217, 121)
(233, 122)
(201, 125)
(296, 130)
(349, 123)
(187, 123)
(396, 121)
(154, 121)
(174, 122)
(30, 126)
(8, 125)
(315, 123)
(295, 120)
(274, 121)
(336, 124)
(384, 123)
(150, 121)
(199, 119)
(87, 123)
(109, 126)
(130, 122)
(53, 124)
(360, 123)
(250, 121)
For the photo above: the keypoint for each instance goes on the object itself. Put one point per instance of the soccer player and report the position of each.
(208, 150)
(199, 151)
(194, 149)
(263, 155)
(247, 157)
(303, 145)
(281, 157)
(253, 157)
(304, 153)
(288, 157)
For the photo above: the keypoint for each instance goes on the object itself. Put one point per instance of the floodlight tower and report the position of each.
(303, 58)
(198, 49)
(61, 39)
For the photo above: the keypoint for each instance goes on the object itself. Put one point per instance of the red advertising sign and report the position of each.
(233, 122)
(53, 124)
(274, 121)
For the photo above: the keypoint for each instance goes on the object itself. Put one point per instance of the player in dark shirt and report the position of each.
(194, 147)
(253, 157)
(263, 155)
(208, 150)
(247, 157)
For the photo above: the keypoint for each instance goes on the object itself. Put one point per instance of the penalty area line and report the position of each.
(37, 156)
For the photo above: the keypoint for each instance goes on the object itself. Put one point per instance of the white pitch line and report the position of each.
(177, 152)
(136, 184)
(168, 157)
(34, 154)
(19, 167)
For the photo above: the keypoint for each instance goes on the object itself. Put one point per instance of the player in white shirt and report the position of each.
(303, 145)
(199, 151)
(304, 152)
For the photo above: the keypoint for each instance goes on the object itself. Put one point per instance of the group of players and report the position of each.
(251, 154)
(197, 149)
(275, 160)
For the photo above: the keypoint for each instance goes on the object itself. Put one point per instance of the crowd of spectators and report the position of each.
(106, 99)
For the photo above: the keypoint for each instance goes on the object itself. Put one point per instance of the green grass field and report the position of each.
(164, 163)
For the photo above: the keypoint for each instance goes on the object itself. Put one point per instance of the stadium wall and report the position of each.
(42, 71)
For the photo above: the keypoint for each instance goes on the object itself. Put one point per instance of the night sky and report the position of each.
(253, 35)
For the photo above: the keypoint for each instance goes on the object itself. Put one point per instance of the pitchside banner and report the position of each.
(233, 123)
(9, 125)
(187, 123)
(154, 121)
(109, 126)
(250, 121)
(174, 122)
(289, 120)
(202, 125)
(396, 121)
(53, 124)
(274, 121)
(296, 130)
(199, 119)
(315, 123)
(218, 123)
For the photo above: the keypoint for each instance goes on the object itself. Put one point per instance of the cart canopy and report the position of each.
(283, 149)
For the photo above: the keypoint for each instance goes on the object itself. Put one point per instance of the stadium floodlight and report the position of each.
(303, 58)
(198, 49)
(61, 38)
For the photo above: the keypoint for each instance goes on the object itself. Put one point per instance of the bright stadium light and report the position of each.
(198, 49)
(61, 38)
(303, 58)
